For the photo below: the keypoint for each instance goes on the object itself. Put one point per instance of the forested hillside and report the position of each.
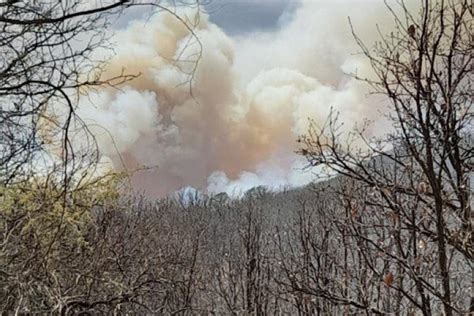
(385, 228)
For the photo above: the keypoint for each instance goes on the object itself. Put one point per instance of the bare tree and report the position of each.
(418, 193)
(48, 186)
(46, 64)
(391, 234)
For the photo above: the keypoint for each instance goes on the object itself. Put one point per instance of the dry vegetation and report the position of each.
(297, 252)
(391, 234)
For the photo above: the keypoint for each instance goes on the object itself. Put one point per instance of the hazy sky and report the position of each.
(235, 17)
(241, 16)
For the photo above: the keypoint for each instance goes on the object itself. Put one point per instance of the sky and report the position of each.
(244, 16)
(235, 17)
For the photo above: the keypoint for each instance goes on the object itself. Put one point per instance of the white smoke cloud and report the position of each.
(251, 97)
(268, 174)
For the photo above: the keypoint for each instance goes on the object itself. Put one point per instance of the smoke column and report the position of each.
(251, 96)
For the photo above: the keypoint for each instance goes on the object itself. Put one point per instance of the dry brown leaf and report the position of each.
(388, 279)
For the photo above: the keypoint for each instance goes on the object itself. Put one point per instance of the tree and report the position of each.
(49, 187)
(418, 192)
(44, 65)
(47, 63)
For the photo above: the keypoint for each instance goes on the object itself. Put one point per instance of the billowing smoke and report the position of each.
(251, 96)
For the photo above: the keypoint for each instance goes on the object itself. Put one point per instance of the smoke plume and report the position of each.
(234, 125)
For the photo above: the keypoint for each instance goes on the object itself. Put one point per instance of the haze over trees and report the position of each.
(391, 232)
